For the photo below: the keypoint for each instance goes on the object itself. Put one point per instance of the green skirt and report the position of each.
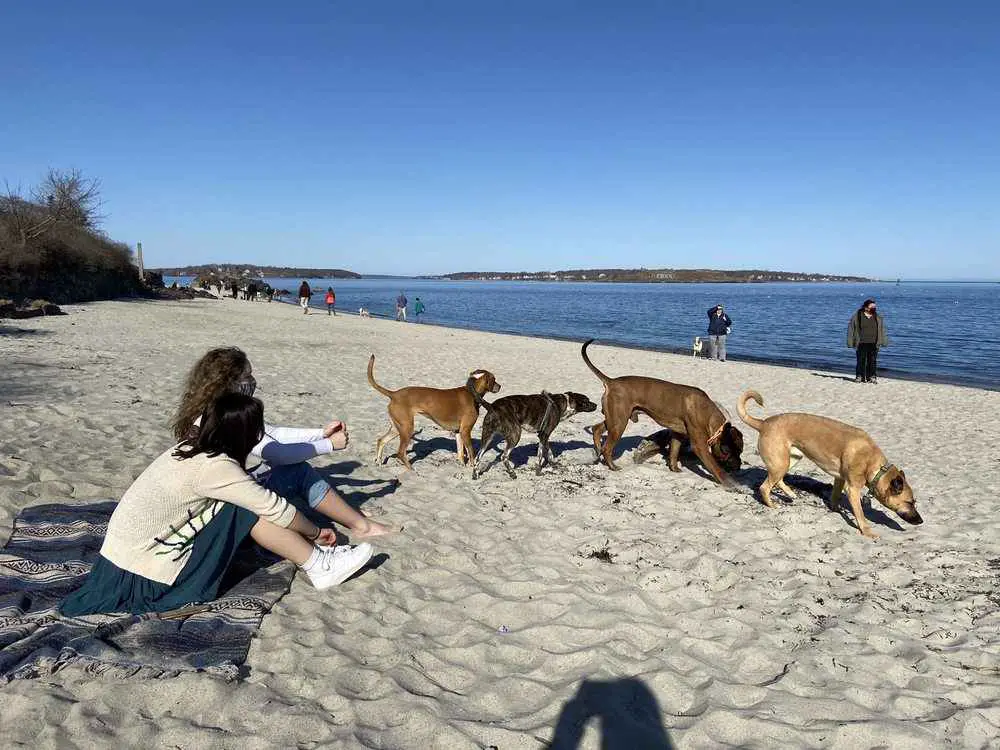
(108, 588)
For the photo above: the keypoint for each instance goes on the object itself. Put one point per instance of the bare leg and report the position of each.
(335, 508)
(283, 542)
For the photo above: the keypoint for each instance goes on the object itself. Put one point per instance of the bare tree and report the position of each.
(25, 221)
(69, 197)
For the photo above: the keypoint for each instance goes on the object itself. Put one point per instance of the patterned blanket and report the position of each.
(49, 554)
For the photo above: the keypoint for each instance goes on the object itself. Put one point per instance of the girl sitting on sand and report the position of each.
(283, 450)
(176, 529)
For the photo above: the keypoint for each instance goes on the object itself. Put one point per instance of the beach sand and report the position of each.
(706, 620)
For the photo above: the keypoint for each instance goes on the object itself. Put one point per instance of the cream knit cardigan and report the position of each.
(152, 529)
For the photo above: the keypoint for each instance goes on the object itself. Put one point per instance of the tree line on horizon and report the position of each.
(52, 246)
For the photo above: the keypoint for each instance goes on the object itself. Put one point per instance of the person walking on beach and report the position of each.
(305, 294)
(401, 303)
(866, 335)
(719, 325)
(418, 309)
(175, 531)
(331, 301)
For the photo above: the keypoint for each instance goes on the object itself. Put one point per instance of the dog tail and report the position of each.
(371, 379)
(470, 386)
(583, 352)
(741, 408)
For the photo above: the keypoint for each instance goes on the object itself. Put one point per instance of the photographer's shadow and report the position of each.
(629, 716)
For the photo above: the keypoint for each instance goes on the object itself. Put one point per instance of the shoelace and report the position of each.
(328, 559)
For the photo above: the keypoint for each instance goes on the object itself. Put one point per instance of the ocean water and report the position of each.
(947, 332)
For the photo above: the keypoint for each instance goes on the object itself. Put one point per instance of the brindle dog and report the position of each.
(539, 413)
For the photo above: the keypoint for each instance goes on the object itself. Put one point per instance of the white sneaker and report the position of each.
(339, 563)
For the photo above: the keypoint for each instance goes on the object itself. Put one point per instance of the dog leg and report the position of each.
(854, 498)
(381, 441)
(405, 436)
(786, 489)
(616, 427)
(776, 458)
(703, 452)
(484, 444)
(548, 452)
(675, 453)
(597, 432)
(835, 494)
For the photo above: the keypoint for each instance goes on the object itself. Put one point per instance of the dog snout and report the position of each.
(495, 388)
(910, 515)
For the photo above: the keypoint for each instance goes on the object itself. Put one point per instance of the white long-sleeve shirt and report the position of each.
(291, 445)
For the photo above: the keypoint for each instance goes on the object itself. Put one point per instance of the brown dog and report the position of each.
(848, 454)
(687, 411)
(453, 409)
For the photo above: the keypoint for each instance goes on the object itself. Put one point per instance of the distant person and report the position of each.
(719, 326)
(305, 294)
(235, 289)
(866, 335)
(401, 303)
(331, 301)
(418, 308)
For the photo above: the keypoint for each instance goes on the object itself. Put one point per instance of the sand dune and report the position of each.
(639, 606)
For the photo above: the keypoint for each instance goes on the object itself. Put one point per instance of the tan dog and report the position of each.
(454, 409)
(687, 411)
(848, 454)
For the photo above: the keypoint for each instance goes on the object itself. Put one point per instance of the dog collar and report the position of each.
(878, 475)
(717, 434)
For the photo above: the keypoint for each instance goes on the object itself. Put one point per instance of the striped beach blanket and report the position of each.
(49, 554)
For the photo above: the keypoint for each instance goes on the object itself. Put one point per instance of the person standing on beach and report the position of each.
(866, 335)
(418, 309)
(177, 528)
(719, 325)
(305, 294)
(331, 301)
(401, 303)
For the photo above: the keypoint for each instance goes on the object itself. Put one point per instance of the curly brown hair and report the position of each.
(212, 375)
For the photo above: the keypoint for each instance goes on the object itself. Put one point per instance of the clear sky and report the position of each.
(427, 137)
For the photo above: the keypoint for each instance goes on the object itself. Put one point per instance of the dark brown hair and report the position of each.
(231, 425)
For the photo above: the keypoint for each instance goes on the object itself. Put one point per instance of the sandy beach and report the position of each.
(705, 620)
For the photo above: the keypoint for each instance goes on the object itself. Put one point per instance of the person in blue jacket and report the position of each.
(719, 325)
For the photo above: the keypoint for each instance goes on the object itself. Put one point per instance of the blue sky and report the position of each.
(428, 137)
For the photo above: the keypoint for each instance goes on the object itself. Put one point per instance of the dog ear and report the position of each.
(897, 484)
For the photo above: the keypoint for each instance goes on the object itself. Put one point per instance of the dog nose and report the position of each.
(912, 517)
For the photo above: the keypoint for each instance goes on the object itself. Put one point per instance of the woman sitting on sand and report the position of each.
(176, 529)
(283, 450)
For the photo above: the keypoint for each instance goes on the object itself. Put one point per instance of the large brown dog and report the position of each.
(453, 409)
(848, 454)
(687, 411)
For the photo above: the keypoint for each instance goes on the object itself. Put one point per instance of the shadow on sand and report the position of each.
(755, 475)
(627, 711)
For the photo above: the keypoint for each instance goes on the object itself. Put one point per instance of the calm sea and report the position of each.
(946, 332)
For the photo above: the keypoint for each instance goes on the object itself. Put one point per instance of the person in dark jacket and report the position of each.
(866, 335)
(305, 293)
(719, 325)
